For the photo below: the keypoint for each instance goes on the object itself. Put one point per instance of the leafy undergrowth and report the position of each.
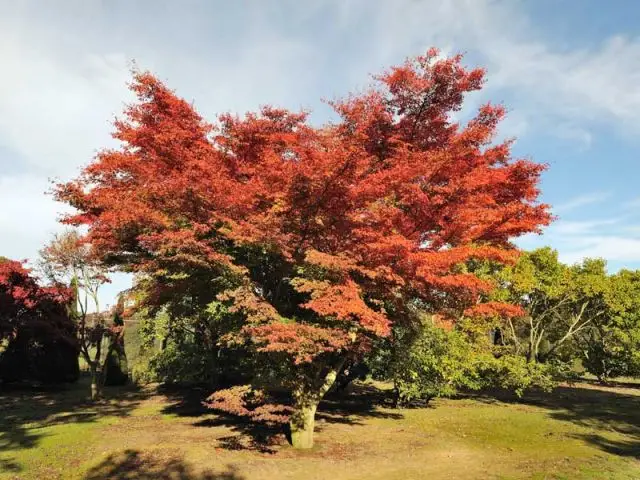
(579, 432)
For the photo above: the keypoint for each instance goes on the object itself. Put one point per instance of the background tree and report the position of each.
(439, 360)
(37, 337)
(312, 238)
(116, 371)
(610, 347)
(181, 315)
(69, 260)
(559, 301)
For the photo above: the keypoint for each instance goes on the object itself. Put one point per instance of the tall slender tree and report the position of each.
(69, 259)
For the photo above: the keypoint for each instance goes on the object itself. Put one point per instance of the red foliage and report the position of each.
(382, 206)
(302, 342)
(495, 310)
(24, 302)
(244, 401)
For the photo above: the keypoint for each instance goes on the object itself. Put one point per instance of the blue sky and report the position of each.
(568, 71)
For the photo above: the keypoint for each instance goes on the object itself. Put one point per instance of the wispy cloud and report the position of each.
(633, 204)
(612, 248)
(65, 68)
(613, 239)
(581, 201)
(579, 87)
(583, 227)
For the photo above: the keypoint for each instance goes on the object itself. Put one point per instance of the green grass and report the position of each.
(579, 432)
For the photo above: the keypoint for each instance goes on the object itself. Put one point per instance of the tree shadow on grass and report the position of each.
(189, 402)
(362, 401)
(26, 409)
(616, 383)
(134, 465)
(9, 466)
(596, 408)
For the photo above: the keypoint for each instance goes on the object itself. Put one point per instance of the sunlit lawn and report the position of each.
(580, 432)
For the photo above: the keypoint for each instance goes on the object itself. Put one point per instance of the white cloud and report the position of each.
(25, 209)
(56, 113)
(632, 204)
(611, 248)
(65, 68)
(612, 239)
(581, 201)
(582, 227)
(585, 85)
(577, 87)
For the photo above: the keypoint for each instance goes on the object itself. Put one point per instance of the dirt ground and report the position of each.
(582, 431)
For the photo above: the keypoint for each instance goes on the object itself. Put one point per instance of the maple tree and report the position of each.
(316, 239)
(35, 327)
(23, 300)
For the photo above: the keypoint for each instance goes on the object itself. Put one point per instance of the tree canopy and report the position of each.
(315, 238)
(36, 333)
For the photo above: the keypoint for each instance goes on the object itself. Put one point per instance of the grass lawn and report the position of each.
(579, 432)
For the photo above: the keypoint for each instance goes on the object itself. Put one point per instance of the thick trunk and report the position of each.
(302, 424)
(303, 418)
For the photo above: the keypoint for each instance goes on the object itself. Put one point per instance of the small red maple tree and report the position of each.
(321, 234)
(24, 304)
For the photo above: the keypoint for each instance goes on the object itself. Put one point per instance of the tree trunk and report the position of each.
(96, 384)
(305, 404)
(302, 424)
(214, 368)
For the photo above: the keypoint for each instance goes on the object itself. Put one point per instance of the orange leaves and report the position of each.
(244, 401)
(394, 200)
(441, 262)
(244, 301)
(495, 309)
(337, 263)
(303, 343)
(343, 302)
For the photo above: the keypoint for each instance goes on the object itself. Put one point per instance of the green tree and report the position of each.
(559, 301)
(439, 360)
(611, 346)
(429, 361)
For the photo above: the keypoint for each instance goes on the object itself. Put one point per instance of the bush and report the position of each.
(32, 355)
(183, 363)
(433, 362)
(514, 373)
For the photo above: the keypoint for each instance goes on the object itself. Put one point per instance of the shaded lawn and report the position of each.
(579, 432)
